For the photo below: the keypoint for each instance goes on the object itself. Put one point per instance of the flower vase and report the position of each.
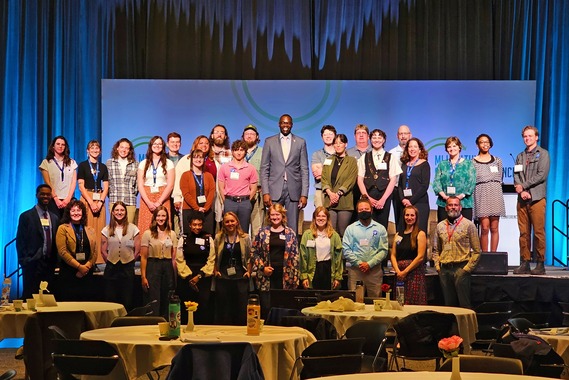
(387, 305)
(455, 374)
(190, 326)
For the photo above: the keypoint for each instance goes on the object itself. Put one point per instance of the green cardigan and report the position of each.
(345, 181)
(308, 257)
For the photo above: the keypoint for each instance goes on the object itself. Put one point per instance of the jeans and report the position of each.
(455, 284)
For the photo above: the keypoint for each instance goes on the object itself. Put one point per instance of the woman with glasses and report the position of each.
(155, 182)
(488, 197)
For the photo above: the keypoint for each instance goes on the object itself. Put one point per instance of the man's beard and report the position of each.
(219, 141)
(453, 214)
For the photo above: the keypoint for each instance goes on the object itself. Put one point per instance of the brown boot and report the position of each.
(523, 268)
(539, 269)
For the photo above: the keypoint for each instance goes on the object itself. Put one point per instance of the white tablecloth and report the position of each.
(100, 314)
(140, 350)
(431, 376)
(466, 318)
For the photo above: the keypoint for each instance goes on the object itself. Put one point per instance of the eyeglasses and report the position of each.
(484, 142)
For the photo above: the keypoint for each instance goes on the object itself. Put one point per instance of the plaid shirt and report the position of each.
(454, 243)
(122, 187)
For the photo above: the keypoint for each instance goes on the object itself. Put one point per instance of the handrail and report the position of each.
(564, 232)
(17, 272)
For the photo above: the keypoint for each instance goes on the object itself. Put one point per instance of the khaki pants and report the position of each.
(532, 215)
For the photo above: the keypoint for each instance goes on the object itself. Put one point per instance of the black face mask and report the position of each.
(364, 215)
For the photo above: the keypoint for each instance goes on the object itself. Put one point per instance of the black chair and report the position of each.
(490, 307)
(418, 336)
(540, 319)
(375, 356)
(277, 313)
(9, 374)
(486, 364)
(319, 327)
(216, 361)
(142, 310)
(565, 312)
(330, 357)
(489, 327)
(521, 325)
(83, 357)
(137, 321)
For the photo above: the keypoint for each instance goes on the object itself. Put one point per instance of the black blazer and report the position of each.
(29, 237)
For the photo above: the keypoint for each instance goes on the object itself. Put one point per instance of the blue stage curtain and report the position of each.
(53, 54)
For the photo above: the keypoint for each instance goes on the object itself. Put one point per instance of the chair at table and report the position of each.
(418, 335)
(38, 339)
(486, 364)
(521, 325)
(375, 356)
(142, 310)
(137, 320)
(319, 327)
(565, 311)
(83, 357)
(330, 357)
(8, 375)
(540, 319)
(546, 364)
(489, 327)
(277, 313)
(216, 361)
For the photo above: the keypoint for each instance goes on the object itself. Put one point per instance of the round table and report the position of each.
(466, 318)
(141, 351)
(100, 314)
(432, 376)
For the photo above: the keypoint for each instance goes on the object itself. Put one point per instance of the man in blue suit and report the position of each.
(35, 242)
(284, 171)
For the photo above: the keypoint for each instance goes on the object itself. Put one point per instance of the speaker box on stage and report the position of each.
(492, 263)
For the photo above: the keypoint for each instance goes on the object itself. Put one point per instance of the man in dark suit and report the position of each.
(35, 242)
(284, 171)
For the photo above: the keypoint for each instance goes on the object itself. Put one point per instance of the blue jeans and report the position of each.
(243, 210)
(455, 284)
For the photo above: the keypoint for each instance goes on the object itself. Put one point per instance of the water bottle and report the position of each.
(174, 315)
(360, 291)
(400, 292)
(6, 285)
(253, 315)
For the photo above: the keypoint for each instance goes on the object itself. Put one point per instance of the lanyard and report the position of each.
(154, 171)
(79, 236)
(95, 173)
(249, 156)
(199, 180)
(450, 231)
(61, 169)
(452, 169)
(231, 247)
(409, 170)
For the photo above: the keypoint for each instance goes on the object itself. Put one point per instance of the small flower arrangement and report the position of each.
(191, 305)
(449, 346)
(385, 288)
(43, 286)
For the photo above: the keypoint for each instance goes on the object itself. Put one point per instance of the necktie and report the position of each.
(47, 236)
(286, 147)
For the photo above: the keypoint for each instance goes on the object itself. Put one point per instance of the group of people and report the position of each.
(196, 211)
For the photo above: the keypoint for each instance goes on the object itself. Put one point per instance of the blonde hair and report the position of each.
(278, 208)
(328, 228)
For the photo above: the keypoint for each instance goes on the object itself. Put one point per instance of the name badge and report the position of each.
(407, 192)
(234, 175)
(200, 241)
(282, 236)
(493, 169)
(328, 162)
(382, 166)
(154, 190)
(80, 256)
(364, 242)
(130, 243)
(451, 190)
(231, 271)
(518, 168)
(398, 239)
(310, 243)
(168, 243)
(447, 247)
(44, 222)
(96, 196)
(201, 199)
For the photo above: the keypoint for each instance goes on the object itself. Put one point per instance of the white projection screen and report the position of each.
(434, 110)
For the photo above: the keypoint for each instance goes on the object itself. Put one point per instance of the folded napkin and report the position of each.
(341, 304)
